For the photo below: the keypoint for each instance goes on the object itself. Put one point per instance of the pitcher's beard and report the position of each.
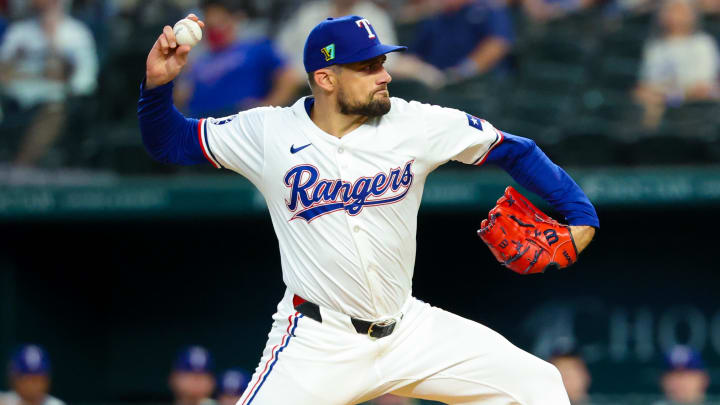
(373, 108)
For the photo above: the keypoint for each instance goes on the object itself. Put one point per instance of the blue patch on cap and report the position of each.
(343, 40)
(30, 359)
(194, 359)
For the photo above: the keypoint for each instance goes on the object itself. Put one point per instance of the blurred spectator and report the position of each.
(710, 6)
(467, 38)
(233, 74)
(137, 20)
(44, 60)
(622, 8)
(389, 399)
(685, 380)
(575, 376)
(191, 380)
(232, 384)
(546, 10)
(680, 65)
(3, 25)
(412, 11)
(97, 16)
(291, 39)
(152, 12)
(29, 378)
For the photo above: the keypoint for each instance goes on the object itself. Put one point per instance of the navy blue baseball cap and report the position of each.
(682, 357)
(194, 359)
(30, 359)
(343, 40)
(233, 382)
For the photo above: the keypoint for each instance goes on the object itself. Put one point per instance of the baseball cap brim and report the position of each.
(369, 53)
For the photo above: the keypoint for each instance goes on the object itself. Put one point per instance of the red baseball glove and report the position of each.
(523, 238)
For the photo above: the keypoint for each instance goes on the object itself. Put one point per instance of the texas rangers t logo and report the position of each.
(320, 196)
(365, 23)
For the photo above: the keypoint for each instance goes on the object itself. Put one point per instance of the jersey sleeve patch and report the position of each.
(474, 122)
(202, 135)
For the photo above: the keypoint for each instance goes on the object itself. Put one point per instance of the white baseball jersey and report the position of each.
(345, 209)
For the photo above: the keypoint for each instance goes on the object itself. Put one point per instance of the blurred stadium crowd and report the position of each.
(595, 82)
(192, 380)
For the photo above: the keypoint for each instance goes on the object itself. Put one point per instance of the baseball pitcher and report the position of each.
(342, 172)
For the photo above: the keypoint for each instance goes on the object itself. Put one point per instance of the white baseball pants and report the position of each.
(432, 354)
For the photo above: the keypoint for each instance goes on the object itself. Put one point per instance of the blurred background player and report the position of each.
(575, 375)
(680, 64)
(44, 61)
(231, 385)
(30, 378)
(685, 380)
(232, 73)
(192, 381)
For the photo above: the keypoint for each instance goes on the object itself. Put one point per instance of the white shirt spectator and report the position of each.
(678, 64)
(26, 47)
(291, 39)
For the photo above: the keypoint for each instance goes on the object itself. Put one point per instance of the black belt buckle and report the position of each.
(380, 329)
(375, 330)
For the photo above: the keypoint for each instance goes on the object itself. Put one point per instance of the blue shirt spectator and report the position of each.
(232, 73)
(234, 78)
(468, 38)
(3, 26)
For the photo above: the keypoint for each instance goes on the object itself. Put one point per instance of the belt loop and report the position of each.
(307, 308)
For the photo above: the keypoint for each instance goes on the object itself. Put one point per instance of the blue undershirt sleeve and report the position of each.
(532, 169)
(168, 136)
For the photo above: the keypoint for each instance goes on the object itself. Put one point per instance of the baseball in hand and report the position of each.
(187, 32)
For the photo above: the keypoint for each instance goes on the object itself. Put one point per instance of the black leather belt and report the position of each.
(377, 329)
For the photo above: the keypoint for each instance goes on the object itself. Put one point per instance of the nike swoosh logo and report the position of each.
(293, 149)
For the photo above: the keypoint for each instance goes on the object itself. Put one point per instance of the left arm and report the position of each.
(495, 39)
(531, 168)
(285, 84)
(489, 53)
(284, 81)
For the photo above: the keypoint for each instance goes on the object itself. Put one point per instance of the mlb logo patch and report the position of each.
(329, 52)
(474, 121)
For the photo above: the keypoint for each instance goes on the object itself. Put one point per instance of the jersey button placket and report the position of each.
(343, 156)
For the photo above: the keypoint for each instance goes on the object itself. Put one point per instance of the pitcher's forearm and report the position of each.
(168, 136)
